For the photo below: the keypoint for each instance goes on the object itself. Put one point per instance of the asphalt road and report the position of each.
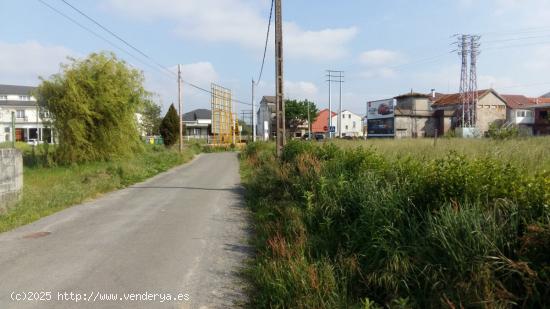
(181, 233)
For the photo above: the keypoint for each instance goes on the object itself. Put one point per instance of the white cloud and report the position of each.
(23, 63)
(378, 73)
(301, 90)
(381, 57)
(236, 21)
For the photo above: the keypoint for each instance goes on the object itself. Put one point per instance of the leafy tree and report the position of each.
(169, 127)
(151, 119)
(296, 113)
(92, 103)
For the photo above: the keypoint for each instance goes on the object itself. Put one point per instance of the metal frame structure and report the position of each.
(222, 116)
(468, 45)
(472, 87)
(339, 75)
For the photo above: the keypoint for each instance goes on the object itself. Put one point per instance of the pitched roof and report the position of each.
(269, 99)
(16, 90)
(200, 113)
(454, 99)
(517, 101)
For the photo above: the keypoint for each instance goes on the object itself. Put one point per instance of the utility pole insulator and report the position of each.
(279, 94)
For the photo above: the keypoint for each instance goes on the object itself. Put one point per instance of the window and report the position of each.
(20, 113)
(3, 97)
(346, 127)
(7, 129)
(343, 116)
(520, 114)
(354, 125)
(44, 114)
(24, 98)
(349, 116)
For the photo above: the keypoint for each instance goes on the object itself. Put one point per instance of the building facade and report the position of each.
(352, 124)
(320, 125)
(198, 124)
(265, 119)
(32, 123)
(491, 109)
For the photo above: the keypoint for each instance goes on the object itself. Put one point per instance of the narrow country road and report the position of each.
(181, 233)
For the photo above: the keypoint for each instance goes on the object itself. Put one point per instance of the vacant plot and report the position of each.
(400, 224)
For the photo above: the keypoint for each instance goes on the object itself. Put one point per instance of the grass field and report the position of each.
(47, 190)
(400, 224)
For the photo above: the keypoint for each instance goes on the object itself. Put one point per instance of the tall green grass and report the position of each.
(47, 190)
(462, 224)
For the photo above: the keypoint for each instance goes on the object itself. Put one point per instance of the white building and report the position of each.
(198, 124)
(265, 123)
(352, 124)
(31, 122)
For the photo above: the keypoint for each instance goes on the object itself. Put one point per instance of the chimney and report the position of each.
(433, 93)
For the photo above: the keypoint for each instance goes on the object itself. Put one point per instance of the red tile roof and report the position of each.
(517, 101)
(320, 125)
(454, 99)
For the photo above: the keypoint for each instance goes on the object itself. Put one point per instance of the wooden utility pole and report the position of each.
(280, 103)
(180, 108)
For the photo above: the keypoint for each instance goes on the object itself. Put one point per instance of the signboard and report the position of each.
(381, 118)
(332, 129)
(380, 109)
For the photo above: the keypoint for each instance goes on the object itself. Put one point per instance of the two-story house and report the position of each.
(19, 107)
(519, 113)
(352, 124)
(198, 124)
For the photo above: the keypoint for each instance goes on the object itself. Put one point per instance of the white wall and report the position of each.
(352, 124)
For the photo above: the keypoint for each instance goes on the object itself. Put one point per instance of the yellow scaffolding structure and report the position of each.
(222, 116)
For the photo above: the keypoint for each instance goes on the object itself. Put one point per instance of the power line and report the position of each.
(266, 42)
(518, 38)
(162, 69)
(94, 33)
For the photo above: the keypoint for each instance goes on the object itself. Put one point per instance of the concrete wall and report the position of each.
(490, 109)
(11, 177)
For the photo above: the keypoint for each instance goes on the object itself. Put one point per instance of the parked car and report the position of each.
(319, 136)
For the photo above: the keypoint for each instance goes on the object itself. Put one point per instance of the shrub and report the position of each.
(396, 231)
(93, 102)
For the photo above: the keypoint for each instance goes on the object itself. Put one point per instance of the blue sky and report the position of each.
(386, 47)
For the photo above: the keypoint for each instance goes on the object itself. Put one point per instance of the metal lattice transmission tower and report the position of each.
(472, 87)
(463, 51)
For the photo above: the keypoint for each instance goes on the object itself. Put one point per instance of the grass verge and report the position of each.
(48, 190)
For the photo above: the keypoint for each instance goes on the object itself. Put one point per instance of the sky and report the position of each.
(386, 48)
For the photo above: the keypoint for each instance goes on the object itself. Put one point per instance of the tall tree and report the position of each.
(92, 103)
(169, 127)
(150, 117)
(296, 113)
